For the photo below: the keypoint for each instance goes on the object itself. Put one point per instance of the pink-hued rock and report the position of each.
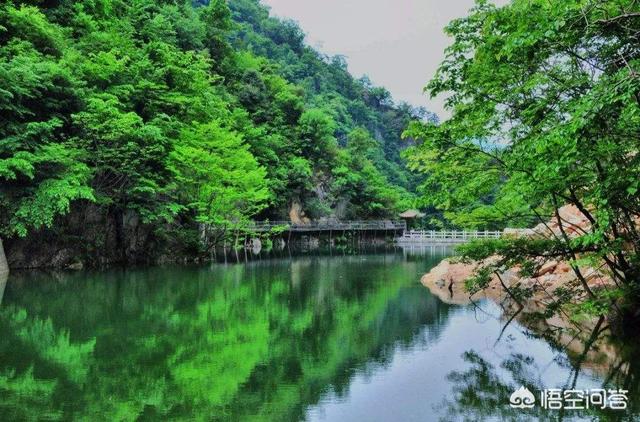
(446, 281)
(547, 267)
(574, 223)
(297, 214)
(563, 267)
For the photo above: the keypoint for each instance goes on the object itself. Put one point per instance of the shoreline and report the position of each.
(588, 342)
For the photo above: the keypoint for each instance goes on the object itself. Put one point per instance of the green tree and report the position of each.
(360, 143)
(217, 177)
(131, 117)
(41, 172)
(317, 141)
(545, 113)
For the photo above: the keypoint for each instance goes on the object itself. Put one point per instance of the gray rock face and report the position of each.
(89, 236)
(4, 267)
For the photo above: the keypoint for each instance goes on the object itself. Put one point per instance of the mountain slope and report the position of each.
(128, 124)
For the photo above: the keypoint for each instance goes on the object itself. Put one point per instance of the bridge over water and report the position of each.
(397, 228)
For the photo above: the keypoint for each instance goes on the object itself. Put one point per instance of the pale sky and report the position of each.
(398, 43)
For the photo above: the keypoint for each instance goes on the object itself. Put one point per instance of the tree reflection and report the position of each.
(251, 341)
(482, 392)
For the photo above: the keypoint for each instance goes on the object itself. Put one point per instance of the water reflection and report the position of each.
(325, 336)
(480, 391)
(469, 371)
(262, 339)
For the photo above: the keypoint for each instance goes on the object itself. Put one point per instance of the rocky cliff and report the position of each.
(90, 236)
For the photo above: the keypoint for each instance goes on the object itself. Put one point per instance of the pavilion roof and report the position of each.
(412, 213)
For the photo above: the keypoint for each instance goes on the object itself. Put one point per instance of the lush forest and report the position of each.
(127, 124)
(546, 115)
(128, 127)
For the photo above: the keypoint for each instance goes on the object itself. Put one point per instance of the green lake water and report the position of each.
(310, 337)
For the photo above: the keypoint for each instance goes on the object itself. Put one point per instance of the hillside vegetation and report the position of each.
(127, 123)
(546, 118)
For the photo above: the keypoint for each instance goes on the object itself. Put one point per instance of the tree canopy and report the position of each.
(184, 113)
(545, 99)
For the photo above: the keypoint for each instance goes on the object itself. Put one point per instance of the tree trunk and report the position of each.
(4, 267)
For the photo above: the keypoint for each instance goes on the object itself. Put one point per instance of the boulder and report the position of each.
(446, 281)
(255, 245)
(279, 244)
(547, 267)
(76, 266)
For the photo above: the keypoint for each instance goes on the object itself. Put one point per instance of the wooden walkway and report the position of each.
(326, 226)
(448, 236)
(396, 228)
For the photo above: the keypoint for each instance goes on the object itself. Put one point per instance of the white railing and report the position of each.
(446, 236)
